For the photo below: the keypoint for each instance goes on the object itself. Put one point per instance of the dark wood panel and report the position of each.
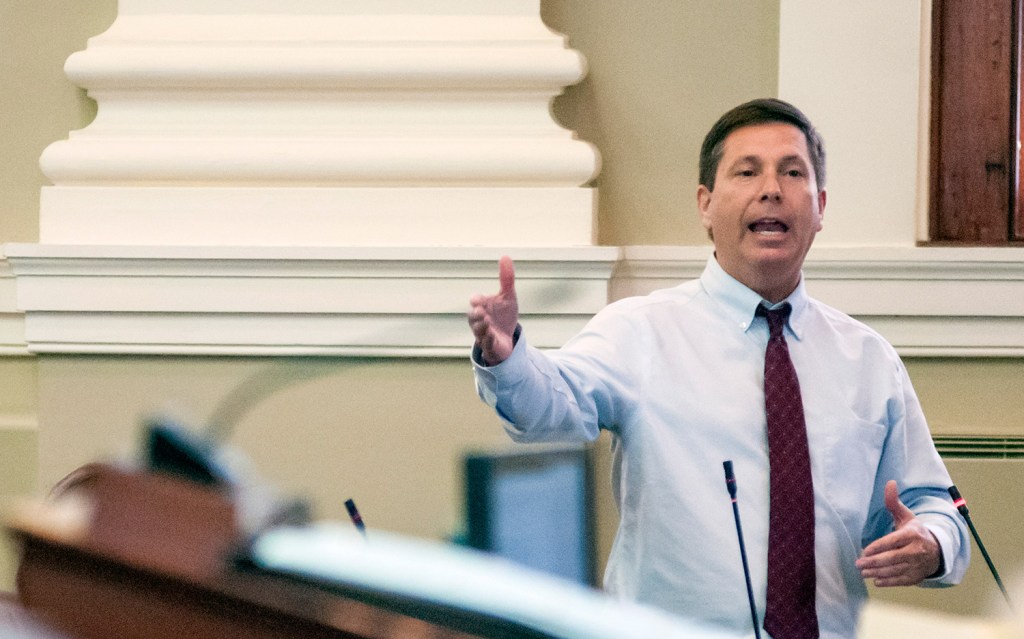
(974, 137)
(1017, 226)
(16, 621)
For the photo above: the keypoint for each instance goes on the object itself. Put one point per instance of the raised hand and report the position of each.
(905, 557)
(493, 318)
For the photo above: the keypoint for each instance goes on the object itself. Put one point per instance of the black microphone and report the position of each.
(357, 519)
(730, 483)
(961, 505)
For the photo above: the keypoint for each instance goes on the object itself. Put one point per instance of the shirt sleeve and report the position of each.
(911, 459)
(566, 395)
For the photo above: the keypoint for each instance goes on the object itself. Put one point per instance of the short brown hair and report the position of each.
(760, 111)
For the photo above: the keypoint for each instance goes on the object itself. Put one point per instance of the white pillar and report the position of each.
(322, 123)
(326, 177)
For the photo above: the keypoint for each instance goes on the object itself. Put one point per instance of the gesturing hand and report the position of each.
(493, 318)
(904, 557)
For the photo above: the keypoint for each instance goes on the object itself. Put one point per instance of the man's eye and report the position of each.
(795, 173)
(746, 172)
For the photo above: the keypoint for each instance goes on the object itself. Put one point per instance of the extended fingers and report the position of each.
(902, 558)
(893, 541)
(894, 569)
(901, 570)
(905, 574)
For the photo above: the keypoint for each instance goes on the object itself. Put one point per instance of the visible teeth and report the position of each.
(768, 226)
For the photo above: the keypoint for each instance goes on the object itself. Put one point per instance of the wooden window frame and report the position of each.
(975, 158)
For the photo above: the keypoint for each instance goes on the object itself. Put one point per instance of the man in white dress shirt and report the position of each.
(677, 378)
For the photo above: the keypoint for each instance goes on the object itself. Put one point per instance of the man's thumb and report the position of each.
(507, 276)
(901, 515)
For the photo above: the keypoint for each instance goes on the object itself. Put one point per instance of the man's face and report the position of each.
(766, 207)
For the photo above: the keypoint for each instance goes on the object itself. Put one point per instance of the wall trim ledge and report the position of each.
(410, 301)
(927, 301)
(265, 301)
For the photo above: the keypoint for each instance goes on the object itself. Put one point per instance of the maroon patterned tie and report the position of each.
(789, 610)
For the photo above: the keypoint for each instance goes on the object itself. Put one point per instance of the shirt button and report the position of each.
(743, 325)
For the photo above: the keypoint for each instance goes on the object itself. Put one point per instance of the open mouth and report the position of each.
(768, 225)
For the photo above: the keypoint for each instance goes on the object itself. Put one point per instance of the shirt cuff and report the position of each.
(478, 354)
(946, 555)
(487, 376)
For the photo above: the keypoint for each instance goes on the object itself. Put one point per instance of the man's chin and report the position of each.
(776, 257)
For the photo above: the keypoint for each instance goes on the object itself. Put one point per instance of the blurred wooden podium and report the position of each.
(194, 547)
(131, 554)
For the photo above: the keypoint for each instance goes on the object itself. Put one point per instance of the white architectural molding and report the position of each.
(12, 321)
(388, 302)
(926, 301)
(249, 155)
(322, 123)
(411, 302)
(259, 216)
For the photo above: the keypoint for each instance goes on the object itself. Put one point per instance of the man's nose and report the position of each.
(770, 189)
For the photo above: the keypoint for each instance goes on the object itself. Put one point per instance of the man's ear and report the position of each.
(821, 207)
(704, 205)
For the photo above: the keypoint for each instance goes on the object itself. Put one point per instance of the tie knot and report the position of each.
(776, 318)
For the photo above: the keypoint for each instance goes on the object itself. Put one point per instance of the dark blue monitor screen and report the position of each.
(534, 506)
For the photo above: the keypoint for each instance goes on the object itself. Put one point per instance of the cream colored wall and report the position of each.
(971, 397)
(660, 73)
(18, 444)
(856, 69)
(37, 106)
(389, 433)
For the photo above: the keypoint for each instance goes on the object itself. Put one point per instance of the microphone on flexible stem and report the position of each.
(730, 483)
(961, 505)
